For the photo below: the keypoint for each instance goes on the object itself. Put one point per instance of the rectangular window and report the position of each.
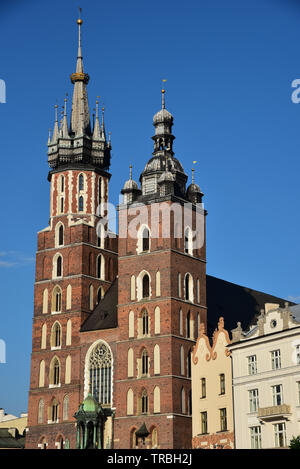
(253, 400)
(280, 435)
(203, 422)
(223, 420)
(298, 354)
(203, 388)
(252, 365)
(277, 394)
(255, 436)
(222, 384)
(276, 361)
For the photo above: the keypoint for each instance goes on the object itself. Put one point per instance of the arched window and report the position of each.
(130, 402)
(188, 288)
(41, 411)
(133, 442)
(145, 237)
(100, 267)
(188, 241)
(198, 291)
(144, 399)
(59, 266)
(91, 297)
(62, 184)
(145, 322)
(44, 336)
(130, 363)
(180, 322)
(157, 283)
(131, 324)
(42, 374)
(189, 364)
(157, 320)
(80, 182)
(190, 402)
(182, 395)
(156, 396)
(66, 408)
(132, 287)
(80, 204)
(145, 362)
(56, 300)
(100, 373)
(53, 411)
(62, 202)
(154, 438)
(54, 372)
(69, 297)
(182, 360)
(156, 360)
(100, 294)
(188, 325)
(69, 332)
(68, 369)
(45, 301)
(146, 286)
(56, 335)
(179, 285)
(61, 235)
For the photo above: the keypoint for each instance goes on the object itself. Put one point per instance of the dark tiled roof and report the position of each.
(8, 441)
(235, 303)
(104, 315)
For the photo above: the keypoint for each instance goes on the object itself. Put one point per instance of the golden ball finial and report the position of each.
(79, 21)
(163, 91)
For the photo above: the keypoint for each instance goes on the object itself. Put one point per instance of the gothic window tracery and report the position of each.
(100, 373)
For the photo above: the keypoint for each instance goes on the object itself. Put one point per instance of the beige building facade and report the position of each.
(212, 412)
(266, 379)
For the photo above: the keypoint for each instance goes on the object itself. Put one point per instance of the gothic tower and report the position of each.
(161, 298)
(75, 265)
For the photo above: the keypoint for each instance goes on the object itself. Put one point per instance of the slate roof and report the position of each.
(233, 302)
(104, 315)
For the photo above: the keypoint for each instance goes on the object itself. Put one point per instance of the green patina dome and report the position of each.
(90, 404)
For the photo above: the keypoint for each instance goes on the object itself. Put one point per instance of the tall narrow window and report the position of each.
(145, 362)
(100, 373)
(66, 408)
(276, 360)
(146, 285)
(62, 184)
(188, 325)
(203, 388)
(253, 400)
(100, 190)
(55, 372)
(80, 182)
(56, 300)
(59, 266)
(189, 364)
(252, 365)
(298, 354)
(145, 323)
(255, 436)
(146, 239)
(280, 435)
(277, 394)
(54, 411)
(222, 383)
(56, 336)
(180, 322)
(61, 235)
(187, 287)
(186, 241)
(223, 420)
(182, 395)
(179, 285)
(41, 411)
(62, 205)
(144, 402)
(80, 204)
(203, 422)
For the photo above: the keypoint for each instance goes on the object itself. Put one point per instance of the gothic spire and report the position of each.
(56, 129)
(96, 131)
(80, 116)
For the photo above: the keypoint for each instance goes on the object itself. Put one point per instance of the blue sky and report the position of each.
(229, 67)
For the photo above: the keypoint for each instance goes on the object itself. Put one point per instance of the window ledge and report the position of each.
(55, 385)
